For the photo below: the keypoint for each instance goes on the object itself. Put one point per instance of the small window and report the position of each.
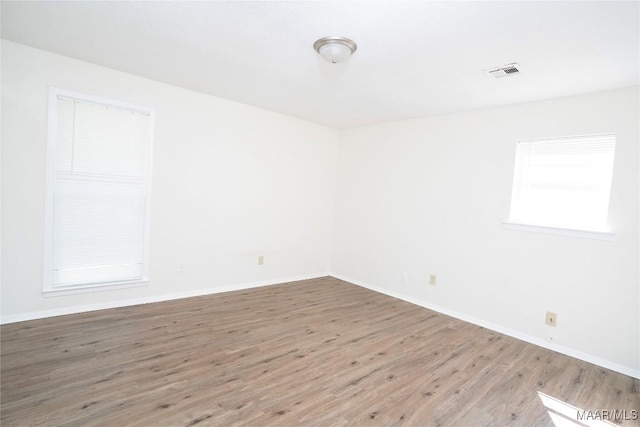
(563, 182)
(98, 181)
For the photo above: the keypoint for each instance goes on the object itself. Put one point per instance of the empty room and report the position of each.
(320, 213)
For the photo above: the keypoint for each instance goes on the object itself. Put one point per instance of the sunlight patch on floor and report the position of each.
(565, 415)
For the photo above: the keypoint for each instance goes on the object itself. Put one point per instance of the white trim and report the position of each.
(50, 171)
(71, 95)
(21, 317)
(583, 234)
(54, 94)
(147, 208)
(626, 370)
(589, 135)
(98, 287)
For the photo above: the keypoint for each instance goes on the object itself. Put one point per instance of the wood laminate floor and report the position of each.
(318, 352)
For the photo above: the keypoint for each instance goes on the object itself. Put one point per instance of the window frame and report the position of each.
(559, 231)
(50, 181)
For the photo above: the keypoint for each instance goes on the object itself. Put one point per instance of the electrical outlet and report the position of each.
(432, 279)
(551, 319)
(261, 260)
(181, 268)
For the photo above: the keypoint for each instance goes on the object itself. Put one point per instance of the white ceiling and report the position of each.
(413, 59)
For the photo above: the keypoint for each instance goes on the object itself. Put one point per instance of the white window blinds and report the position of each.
(100, 194)
(563, 182)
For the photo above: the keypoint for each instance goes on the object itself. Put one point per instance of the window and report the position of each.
(98, 182)
(563, 182)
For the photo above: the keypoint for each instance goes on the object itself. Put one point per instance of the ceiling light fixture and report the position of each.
(335, 49)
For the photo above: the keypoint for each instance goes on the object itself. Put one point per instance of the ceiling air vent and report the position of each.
(504, 70)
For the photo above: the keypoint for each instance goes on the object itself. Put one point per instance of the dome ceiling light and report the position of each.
(335, 49)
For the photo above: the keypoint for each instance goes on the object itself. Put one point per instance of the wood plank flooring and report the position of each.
(315, 353)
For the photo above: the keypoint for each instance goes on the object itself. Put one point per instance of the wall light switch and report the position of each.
(432, 280)
(261, 260)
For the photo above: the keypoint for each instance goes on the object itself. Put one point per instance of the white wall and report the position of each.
(428, 196)
(414, 198)
(230, 182)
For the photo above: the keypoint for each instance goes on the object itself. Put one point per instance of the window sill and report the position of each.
(583, 234)
(72, 290)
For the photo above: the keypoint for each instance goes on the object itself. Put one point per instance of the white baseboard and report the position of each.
(13, 318)
(501, 329)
